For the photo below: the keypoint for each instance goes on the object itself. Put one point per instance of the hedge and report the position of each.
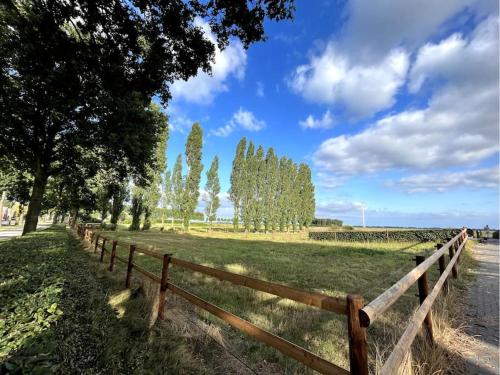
(432, 235)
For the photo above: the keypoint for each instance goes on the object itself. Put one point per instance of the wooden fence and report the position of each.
(358, 315)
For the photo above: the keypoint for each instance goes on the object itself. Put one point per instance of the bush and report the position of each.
(422, 235)
(495, 235)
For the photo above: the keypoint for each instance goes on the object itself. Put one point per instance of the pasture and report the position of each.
(332, 268)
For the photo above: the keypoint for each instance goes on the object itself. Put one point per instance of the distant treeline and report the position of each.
(268, 192)
(327, 222)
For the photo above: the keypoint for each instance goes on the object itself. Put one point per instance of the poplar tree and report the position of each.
(282, 191)
(212, 188)
(166, 194)
(237, 180)
(270, 190)
(248, 186)
(137, 207)
(118, 196)
(307, 203)
(192, 182)
(177, 189)
(259, 186)
(294, 196)
(152, 192)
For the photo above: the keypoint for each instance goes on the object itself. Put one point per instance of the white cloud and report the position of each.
(325, 122)
(458, 127)
(226, 206)
(332, 78)
(202, 88)
(260, 89)
(241, 119)
(486, 178)
(375, 27)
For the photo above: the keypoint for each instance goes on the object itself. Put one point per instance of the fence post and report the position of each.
(454, 270)
(358, 353)
(96, 242)
(130, 265)
(442, 267)
(423, 292)
(113, 254)
(163, 284)
(102, 248)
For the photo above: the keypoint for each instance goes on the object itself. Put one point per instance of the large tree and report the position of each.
(194, 145)
(79, 74)
(212, 189)
(249, 182)
(177, 189)
(307, 203)
(269, 194)
(237, 180)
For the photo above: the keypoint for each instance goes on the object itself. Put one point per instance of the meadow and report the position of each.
(333, 268)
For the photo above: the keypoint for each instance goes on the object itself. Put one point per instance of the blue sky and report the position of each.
(393, 104)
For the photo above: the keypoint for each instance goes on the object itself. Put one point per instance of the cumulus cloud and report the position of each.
(202, 88)
(458, 127)
(325, 122)
(260, 89)
(375, 27)
(241, 119)
(486, 178)
(332, 78)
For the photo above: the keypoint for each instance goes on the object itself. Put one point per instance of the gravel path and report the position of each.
(483, 310)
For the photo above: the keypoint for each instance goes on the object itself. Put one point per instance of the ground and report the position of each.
(482, 311)
(104, 326)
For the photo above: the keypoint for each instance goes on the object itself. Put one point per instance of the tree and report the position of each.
(270, 190)
(152, 192)
(212, 189)
(82, 74)
(307, 204)
(177, 189)
(248, 189)
(259, 187)
(137, 207)
(166, 195)
(194, 146)
(237, 180)
(118, 196)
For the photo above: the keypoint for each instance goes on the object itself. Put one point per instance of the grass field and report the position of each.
(333, 268)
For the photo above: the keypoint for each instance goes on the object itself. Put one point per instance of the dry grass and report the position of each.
(330, 267)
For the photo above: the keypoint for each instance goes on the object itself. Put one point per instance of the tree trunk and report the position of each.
(35, 205)
(73, 216)
(1, 207)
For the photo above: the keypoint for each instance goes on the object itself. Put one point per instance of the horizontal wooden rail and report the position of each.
(338, 305)
(398, 354)
(123, 260)
(146, 273)
(380, 304)
(309, 359)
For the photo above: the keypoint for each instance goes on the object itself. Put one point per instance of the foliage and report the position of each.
(212, 189)
(94, 67)
(237, 180)
(322, 222)
(191, 191)
(177, 187)
(420, 235)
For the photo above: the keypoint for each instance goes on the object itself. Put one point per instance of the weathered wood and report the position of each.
(380, 304)
(423, 292)
(442, 267)
(398, 354)
(96, 243)
(113, 255)
(358, 353)
(146, 273)
(120, 259)
(130, 265)
(103, 249)
(309, 359)
(163, 285)
(336, 304)
(451, 251)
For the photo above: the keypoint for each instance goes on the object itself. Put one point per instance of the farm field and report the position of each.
(333, 268)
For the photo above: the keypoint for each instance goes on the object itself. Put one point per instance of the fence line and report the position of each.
(359, 316)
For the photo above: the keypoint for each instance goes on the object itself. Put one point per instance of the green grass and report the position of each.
(333, 268)
(59, 314)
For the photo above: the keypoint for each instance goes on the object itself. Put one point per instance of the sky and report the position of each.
(393, 104)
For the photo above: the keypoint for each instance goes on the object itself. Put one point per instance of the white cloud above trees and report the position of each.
(241, 119)
(324, 122)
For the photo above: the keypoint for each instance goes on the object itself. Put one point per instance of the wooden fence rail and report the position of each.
(359, 316)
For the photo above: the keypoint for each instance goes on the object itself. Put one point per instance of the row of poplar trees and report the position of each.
(268, 192)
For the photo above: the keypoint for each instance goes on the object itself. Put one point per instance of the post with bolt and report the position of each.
(423, 292)
(130, 265)
(113, 255)
(442, 267)
(358, 353)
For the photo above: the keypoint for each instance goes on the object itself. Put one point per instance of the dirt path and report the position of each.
(483, 309)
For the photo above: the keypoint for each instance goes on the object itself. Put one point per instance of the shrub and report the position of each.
(421, 235)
